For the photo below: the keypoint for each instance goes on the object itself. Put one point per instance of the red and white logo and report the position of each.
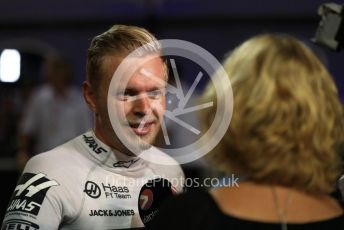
(146, 199)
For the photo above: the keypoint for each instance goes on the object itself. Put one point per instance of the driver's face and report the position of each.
(139, 102)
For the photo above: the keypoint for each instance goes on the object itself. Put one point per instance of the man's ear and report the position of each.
(89, 96)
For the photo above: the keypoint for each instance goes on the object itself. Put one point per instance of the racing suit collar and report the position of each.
(106, 155)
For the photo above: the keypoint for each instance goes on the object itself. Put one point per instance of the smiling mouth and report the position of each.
(143, 129)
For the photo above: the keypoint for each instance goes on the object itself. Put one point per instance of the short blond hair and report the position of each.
(118, 41)
(287, 124)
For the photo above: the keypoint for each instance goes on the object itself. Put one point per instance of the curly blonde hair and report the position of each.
(287, 123)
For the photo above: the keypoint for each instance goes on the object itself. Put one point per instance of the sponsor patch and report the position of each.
(20, 225)
(93, 145)
(92, 189)
(30, 192)
(103, 212)
(125, 164)
(119, 192)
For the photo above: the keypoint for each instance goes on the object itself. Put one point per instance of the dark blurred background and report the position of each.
(36, 28)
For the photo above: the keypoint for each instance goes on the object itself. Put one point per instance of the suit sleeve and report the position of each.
(35, 203)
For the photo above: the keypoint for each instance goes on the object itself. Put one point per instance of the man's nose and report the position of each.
(142, 105)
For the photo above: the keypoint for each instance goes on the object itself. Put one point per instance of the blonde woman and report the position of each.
(284, 136)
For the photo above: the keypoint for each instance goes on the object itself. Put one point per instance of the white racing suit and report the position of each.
(83, 184)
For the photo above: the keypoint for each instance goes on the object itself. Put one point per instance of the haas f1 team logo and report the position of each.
(92, 189)
(30, 192)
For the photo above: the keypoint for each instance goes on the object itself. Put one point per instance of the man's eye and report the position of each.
(121, 96)
(124, 96)
(156, 94)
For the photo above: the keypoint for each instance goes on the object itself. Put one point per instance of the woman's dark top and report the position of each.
(198, 210)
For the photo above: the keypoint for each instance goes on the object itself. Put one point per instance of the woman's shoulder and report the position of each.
(199, 210)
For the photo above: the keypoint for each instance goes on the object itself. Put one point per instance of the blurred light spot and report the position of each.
(9, 65)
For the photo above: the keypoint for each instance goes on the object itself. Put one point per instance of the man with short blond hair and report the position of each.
(96, 181)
